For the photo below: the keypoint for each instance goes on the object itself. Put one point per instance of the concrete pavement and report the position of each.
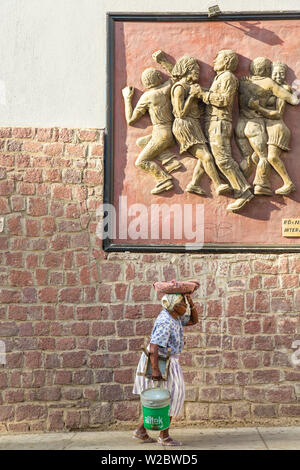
(252, 438)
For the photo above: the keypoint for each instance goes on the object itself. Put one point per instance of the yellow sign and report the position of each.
(291, 227)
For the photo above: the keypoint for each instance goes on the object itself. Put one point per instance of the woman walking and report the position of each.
(167, 334)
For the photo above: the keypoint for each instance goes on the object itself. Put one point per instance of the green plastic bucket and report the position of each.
(155, 406)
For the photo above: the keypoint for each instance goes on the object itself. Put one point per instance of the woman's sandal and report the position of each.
(143, 437)
(168, 441)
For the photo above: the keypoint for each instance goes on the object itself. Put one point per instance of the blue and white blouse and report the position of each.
(168, 333)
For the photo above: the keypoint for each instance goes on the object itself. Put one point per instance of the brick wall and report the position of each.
(73, 320)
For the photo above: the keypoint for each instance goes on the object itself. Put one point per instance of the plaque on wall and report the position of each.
(202, 133)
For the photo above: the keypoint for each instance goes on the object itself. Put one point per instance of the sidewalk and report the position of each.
(255, 438)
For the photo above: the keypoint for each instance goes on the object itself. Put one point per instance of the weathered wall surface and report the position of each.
(73, 320)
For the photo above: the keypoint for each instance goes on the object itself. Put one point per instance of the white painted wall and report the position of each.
(52, 55)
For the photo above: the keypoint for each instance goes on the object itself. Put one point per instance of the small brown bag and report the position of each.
(163, 364)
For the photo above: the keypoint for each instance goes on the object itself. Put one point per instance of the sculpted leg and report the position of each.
(207, 162)
(256, 133)
(144, 162)
(247, 164)
(278, 165)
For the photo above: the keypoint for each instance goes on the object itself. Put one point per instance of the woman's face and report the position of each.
(278, 74)
(193, 75)
(180, 308)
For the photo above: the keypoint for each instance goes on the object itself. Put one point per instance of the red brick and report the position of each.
(111, 393)
(235, 305)
(230, 360)
(231, 393)
(20, 278)
(141, 293)
(251, 360)
(217, 411)
(37, 206)
(27, 189)
(117, 345)
(61, 192)
(266, 376)
(30, 412)
(281, 394)
(80, 240)
(33, 228)
(262, 301)
(63, 377)
(48, 295)
(66, 135)
(54, 149)
(18, 203)
(22, 132)
(14, 145)
(265, 267)
(75, 150)
(60, 242)
(4, 207)
(289, 281)
(264, 411)
(104, 328)
(14, 259)
(33, 175)
(93, 177)
(288, 325)
(32, 147)
(264, 343)
(281, 305)
(289, 410)
(13, 396)
(73, 359)
(70, 295)
(252, 327)
(254, 394)
(110, 272)
(88, 135)
(14, 223)
(7, 413)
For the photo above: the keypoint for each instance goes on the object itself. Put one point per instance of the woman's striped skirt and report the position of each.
(175, 383)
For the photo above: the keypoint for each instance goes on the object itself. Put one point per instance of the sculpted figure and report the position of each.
(156, 100)
(278, 133)
(259, 87)
(218, 125)
(186, 126)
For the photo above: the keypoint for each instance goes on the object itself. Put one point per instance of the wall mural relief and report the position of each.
(203, 132)
(177, 105)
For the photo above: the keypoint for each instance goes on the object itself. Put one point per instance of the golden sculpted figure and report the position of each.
(256, 93)
(157, 101)
(218, 125)
(186, 126)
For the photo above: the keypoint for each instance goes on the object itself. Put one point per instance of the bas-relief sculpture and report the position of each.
(176, 106)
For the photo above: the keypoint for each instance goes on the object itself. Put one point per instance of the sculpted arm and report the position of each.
(284, 94)
(133, 115)
(222, 98)
(268, 113)
(181, 107)
(160, 58)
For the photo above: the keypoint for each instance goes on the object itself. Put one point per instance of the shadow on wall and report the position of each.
(259, 33)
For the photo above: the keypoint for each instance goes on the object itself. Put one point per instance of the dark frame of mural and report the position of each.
(109, 245)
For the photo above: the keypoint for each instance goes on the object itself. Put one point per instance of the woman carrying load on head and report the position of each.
(167, 334)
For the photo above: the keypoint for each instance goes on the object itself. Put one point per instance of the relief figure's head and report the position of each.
(188, 67)
(261, 67)
(151, 78)
(279, 72)
(226, 60)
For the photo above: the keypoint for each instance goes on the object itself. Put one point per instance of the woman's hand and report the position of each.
(156, 374)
